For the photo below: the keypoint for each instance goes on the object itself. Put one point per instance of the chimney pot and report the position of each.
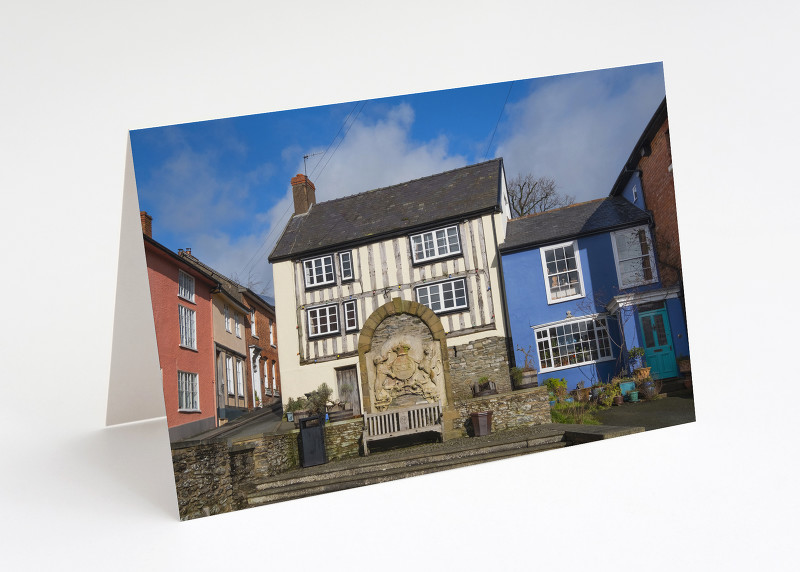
(304, 193)
(147, 223)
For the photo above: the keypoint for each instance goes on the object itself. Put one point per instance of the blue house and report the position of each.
(583, 287)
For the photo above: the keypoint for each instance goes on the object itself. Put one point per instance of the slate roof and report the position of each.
(582, 219)
(398, 209)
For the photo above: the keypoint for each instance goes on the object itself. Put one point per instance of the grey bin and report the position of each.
(312, 441)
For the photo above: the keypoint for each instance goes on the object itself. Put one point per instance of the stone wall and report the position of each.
(211, 478)
(203, 480)
(517, 409)
(343, 439)
(469, 362)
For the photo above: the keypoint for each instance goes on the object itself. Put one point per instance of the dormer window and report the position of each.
(435, 244)
(562, 272)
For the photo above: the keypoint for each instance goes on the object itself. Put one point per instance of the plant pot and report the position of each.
(481, 423)
(641, 372)
(552, 403)
(583, 394)
(290, 416)
(633, 396)
(617, 400)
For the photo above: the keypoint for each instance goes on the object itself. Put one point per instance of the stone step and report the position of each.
(385, 472)
(372, 464)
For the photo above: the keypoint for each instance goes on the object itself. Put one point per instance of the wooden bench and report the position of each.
(406, 421)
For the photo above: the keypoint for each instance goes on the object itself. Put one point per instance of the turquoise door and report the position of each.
(658, 351)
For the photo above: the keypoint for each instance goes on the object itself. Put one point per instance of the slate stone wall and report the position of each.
(203, 480)
(469, 362)
(343, 438)
(520, 408)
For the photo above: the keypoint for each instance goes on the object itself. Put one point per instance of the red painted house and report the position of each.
(182, 311)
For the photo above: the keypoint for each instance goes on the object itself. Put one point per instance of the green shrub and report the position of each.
(574, 413)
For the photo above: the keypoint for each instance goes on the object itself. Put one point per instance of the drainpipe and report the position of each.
(512, 360)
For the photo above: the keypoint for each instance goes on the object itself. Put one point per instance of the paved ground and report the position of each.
(675, 409)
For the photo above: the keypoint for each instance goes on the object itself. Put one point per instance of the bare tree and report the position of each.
(530, 195)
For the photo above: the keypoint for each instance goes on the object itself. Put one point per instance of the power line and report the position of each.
(486, 154)
(277, 226)
(341, 140)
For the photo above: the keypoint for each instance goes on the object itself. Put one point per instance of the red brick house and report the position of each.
(181, 299)
(651, 159)
(262, 344)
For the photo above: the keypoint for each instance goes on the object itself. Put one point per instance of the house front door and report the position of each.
(347, 386)
(659, 353)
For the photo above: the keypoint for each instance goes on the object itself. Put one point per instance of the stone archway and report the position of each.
(402, 353)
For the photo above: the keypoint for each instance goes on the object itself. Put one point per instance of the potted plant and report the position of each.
(636, 359)
(522, 378)
(607, 393)
(558, 387)
(528, 370)
(481, 423)
(582, 393)
(484, 386)
(648, 388)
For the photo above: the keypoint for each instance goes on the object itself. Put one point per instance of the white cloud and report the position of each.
(375, 153)
(380, 153)
(579, 130)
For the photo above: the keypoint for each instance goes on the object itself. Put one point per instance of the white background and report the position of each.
(717, 494)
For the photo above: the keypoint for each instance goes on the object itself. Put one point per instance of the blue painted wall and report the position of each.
(627, 192)
(527, 305)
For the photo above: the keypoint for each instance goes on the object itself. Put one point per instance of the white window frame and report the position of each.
(548, 278)
(349, 275)
(310, 271)
(253, 324)
(432, 241)
(425, 295)
(330, 310)
(274, 378)
(185, 286)
(544, 342)
(229, 372)
(272, 333)
(239, 378)
(237, 320)
(188, 391)
(650, 255)
(188, 327)
(350, 314)
(227, 312)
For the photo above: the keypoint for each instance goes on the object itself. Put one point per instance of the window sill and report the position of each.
(573, 365)
(189, 411)
(637, 284)
(565, 299)
(434, 260)
(449, 311)
(323, 336)
(187, 300)
(187, 348)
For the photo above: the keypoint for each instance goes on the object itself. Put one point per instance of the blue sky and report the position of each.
(222, 187)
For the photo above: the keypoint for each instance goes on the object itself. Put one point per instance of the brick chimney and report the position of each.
(147, 223)
(304, 194)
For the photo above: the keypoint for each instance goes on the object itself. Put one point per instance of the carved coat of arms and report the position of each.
(404, 365)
